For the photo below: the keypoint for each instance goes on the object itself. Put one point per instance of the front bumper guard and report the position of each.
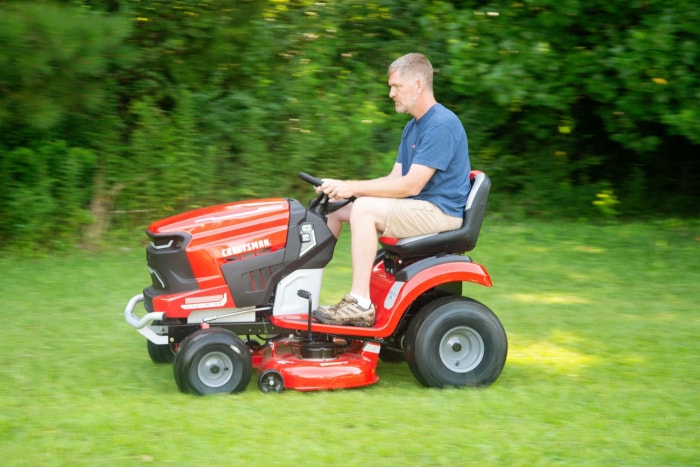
(142, 325)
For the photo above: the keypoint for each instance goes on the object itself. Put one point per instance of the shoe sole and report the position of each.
(359, 322)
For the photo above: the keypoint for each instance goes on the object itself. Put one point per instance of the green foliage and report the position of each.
(170, 170)
(56, 69)
(186, 103)
(583, 92)
(607, 202)
(54, 63)
(43, 194)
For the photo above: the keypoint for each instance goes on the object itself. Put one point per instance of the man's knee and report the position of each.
(370, 209)
(368, 206)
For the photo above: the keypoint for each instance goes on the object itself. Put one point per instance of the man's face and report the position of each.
(403, 91)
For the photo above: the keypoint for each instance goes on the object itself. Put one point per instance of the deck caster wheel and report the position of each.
(271, 380)
(456, 341)
(212, 361)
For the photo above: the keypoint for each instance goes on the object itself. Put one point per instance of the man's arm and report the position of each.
(394, 185)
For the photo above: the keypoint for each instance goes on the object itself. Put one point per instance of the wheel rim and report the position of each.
(461, 349)
(215, 369)
(271, 381)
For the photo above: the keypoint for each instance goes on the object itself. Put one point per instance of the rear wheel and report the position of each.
(456, 341)
(212, 361)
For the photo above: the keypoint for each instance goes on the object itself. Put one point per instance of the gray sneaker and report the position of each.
(347, 311)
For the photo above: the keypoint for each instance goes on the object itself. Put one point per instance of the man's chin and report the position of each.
(400, 109)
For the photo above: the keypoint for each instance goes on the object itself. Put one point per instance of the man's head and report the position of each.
(411, 84)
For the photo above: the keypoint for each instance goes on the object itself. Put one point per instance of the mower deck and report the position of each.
(316, 366)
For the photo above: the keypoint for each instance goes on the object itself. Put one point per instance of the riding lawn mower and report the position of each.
(233, 288)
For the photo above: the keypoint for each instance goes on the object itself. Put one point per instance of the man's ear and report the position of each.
(420, 84)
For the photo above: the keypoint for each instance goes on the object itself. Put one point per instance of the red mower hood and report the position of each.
(217, 234)
(224, 217)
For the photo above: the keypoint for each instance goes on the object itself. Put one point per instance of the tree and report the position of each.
(568, 99)
(56, 69)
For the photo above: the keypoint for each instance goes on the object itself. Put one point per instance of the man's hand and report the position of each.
(337, 189)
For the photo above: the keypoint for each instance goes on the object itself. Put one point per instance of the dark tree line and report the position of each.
(117, 112)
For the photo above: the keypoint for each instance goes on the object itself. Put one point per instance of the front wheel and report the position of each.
(212, 361)
(160, 353)
(456, 341)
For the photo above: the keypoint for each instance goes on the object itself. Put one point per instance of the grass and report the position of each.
(602, 370)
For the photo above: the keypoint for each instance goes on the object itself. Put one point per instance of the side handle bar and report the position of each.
(141, 324)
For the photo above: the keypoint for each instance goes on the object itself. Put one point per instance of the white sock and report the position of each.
(362, 301)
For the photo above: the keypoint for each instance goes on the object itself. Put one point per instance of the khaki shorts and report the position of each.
(410, 217)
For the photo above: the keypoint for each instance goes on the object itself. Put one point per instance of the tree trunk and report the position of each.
(101, 205)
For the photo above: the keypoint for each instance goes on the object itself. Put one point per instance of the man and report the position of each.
(425, 192)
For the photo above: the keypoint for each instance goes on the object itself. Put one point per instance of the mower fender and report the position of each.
(142, 324)
(418, 278)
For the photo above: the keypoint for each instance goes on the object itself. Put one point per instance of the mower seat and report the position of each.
(460, 240)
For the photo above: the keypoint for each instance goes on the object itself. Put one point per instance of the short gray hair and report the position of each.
(415, 65)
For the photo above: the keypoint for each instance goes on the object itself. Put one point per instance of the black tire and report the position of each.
(456, 341)
(212, 361)
(413, 328)
(271, 380)
(392, 355)
(160, 353)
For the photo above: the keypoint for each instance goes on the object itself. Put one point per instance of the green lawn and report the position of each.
(602, 369)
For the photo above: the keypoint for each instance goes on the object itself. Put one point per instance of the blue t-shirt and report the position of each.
(438, 140)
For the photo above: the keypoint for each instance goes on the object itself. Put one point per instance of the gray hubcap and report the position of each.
(461, 349)
(215, 369)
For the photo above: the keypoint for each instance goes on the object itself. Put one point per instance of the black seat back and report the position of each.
(453, 241)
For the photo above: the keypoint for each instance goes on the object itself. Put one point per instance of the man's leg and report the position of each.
(368, 217)
(335, 219)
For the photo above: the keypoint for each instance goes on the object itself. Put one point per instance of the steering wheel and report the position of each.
(321, 202)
